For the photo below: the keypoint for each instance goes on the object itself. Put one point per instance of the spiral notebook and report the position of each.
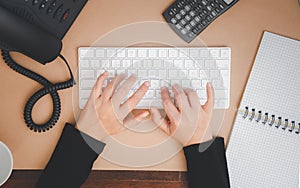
(264, 146)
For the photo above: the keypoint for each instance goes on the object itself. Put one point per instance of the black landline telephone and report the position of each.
(36, 28)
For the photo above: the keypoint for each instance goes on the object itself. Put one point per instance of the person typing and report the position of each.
(105, 114)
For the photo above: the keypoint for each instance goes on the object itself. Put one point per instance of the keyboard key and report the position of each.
(148, 63)
(111, 53)
(225, 53)
(152, 53)
(87, 53)
(202, 93)
(178, 63)
(152, 73)
(150, 94)
(87, 74)
(196, 83)
(193, 73)
(157, 63)
(162, 53)
(121, 53)
(173, 73)
(173, 53)
(131, 72)
(142, 73)
(221, 93)
(95, 64)
(215, 53)
(214, 74)
(115, 63)
(84, 94)
(100, 53)
(84, 63)
(131, 53)
(186, 83)
(183, 74)
(194, 53)
(204, 53)
(142, 53)
(173, 82)
(189, 63)
(210, 64)
(155, 84)
(162, 73)
(87, 84)
(222, 64)
(126, 63)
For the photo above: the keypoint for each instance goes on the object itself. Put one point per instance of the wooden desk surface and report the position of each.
(240, 28)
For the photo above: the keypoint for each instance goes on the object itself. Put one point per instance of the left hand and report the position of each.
(105, 114)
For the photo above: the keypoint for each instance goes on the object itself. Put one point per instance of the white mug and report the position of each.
(6, 163)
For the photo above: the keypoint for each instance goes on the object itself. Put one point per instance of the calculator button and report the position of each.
(209, 8)
(171, 13)
(221, 6)
(214, 13)
(184, 31)
(192, 13)
(204, 11)
(178, 26)
(178, 16)
(197, 18)
(193, 23)
(204, 2)
(187, 8)
(188, 27)
(183, 22)
(187, 17)
(173, 20)
(182, 12)
(218, 10)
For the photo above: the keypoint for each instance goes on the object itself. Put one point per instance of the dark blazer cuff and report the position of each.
(91, 142)
(202, 149)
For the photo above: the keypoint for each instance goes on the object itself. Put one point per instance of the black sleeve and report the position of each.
(206, 164)
(71, 161)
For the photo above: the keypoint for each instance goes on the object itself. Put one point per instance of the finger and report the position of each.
(111, 87)
(180, 97)
(169, 105)
(208, 106)
(193, 98)
(133, 100)
(97, 89)
(135, 120)
(159, 120)
(124, 89)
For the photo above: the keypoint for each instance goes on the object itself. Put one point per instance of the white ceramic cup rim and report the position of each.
(11, 159)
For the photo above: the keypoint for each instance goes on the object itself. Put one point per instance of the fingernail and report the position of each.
(209, 84)
(145, 114)
(147, 83)
(164, 88)
(105, 73)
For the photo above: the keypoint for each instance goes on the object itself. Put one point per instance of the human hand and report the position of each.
(105, 114)
(189, 123)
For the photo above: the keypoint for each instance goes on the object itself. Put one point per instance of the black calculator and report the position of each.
(188, 18)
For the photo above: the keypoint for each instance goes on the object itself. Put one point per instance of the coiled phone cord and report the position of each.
(49, 88)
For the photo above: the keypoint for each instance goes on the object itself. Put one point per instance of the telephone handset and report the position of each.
(35, 28)
(21, 36)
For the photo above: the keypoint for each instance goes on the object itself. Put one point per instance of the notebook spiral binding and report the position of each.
(258, 116)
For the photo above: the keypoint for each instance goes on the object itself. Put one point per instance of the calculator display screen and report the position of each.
(228, 1)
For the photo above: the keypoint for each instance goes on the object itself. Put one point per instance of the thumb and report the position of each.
(159, 120)
(132, 121)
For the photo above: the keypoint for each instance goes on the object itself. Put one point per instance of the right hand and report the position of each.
(189, 123)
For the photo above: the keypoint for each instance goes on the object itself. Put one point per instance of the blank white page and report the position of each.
(261, 155)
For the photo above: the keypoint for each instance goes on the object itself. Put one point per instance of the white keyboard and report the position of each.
(188, 67)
